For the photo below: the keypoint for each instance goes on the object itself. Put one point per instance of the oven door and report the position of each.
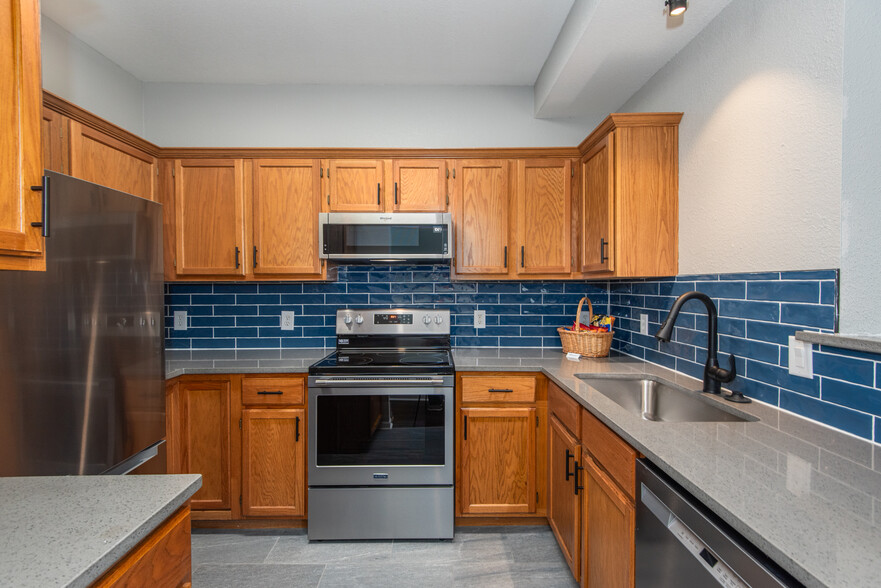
(381, 436)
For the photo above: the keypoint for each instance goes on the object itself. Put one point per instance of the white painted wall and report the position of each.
(79, 74)
(215, 115)
(861, 171)
(760, 143)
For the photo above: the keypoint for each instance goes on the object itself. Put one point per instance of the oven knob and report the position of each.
(347, 319)
(426, 319)
(359, 319)
(438, 319)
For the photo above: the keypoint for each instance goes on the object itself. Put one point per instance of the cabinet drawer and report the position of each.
(610, 451)
(565, 408)
(273, 391)
(498, 389)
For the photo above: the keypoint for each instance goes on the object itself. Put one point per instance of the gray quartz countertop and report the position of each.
(807, 495)
(179, 362)
(69, 530)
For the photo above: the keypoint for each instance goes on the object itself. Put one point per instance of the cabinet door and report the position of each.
(52, 134)
(544, 203)
(609, 526)
(286, 202)
(209, 206)
(355, 185)
(498, 460)
(101, 159)
(598, 207)
(420, 185)
(564, 506)
(481, 199)
(21, 100)
(205, 440)
(273, 462)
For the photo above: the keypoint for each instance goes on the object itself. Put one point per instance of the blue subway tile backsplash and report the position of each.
(758, 312)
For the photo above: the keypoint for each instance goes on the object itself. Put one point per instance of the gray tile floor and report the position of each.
(492, 557)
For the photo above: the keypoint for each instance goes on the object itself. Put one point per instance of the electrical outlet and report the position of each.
(644, 324)
(287, 320)
(180, 320)
(479, 319)
(801, 358)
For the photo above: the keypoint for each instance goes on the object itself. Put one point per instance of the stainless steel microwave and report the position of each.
(394, 237)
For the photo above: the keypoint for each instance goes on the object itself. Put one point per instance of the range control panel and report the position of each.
(393, 321)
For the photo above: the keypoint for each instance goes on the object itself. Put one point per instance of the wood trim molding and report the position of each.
(618, 120)
(74, 112)
(369, 153)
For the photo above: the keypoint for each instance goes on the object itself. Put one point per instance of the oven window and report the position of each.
(380, 430)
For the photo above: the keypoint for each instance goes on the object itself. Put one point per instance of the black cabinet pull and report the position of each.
(501, 390)
(506, 256)
(297, 429)
(396, 192)
(44, 223)
(255, 256)
(569, 455)
(578, 468)
(522, 247)
(603, 257)
(270, 392)
(465, 429)
(237, 258)
(377, 193)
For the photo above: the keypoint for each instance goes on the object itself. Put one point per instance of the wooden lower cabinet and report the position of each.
(609, 526)
(497, 470)
(162, 559)
(564, 505)
(273, 462)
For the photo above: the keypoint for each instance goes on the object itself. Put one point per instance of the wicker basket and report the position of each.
(586, 343)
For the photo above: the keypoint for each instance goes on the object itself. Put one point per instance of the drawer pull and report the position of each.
(501, 390)
(271, 392)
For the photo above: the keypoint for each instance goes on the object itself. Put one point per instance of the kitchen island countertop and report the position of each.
(807, 495)
(69, 530)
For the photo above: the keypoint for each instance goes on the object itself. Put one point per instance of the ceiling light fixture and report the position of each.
(677, 7)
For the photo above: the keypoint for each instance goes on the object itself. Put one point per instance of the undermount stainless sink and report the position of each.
(654, 399)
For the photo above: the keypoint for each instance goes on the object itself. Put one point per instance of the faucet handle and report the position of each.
(726, 376)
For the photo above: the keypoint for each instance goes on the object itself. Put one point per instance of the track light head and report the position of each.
(677, 7)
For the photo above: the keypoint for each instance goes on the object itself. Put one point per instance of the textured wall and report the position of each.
(79, 74)
(760, 142)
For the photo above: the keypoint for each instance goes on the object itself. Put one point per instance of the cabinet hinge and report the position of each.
(454, 173)
(448, 198)
(448, 174)
(321, 171)
(240, 500)
(536, 497)
(240, 426)
(172, 172)
(174, 263)
(328, 198)
(536, 420)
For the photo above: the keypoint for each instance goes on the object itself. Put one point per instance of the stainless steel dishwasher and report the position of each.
(679, 542)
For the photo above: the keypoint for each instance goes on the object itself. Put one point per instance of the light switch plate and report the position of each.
(801, 358)
(644, 324)
(180, 320)
(479, 319)
(287, 320)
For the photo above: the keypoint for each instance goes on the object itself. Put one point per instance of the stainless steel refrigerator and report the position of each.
(81, 344)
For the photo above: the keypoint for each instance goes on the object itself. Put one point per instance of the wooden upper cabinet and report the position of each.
(52, 134)
(481, 200)
(204, 434)
(21, 157)
(286, 201)
(354, 185)
(597, 207)
(630, 196)
(274, 462)
(544, 205)
(102, 159)
(209, 208)
(420, 185)
(498, 461)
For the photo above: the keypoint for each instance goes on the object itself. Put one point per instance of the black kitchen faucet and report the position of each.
(714, 376)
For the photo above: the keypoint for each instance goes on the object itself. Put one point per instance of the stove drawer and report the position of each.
(274, 391)
(498, 388)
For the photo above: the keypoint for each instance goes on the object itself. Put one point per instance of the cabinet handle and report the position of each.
(465, 429)
(506, 256)
(237, 258)
(603, 257)
(569, 455)
(501, 390)
(396, 192)
(44, 223)
(297, 429)
(522, 247)
(270, 392)
(377, 193)
(578, 468)
(255, 256)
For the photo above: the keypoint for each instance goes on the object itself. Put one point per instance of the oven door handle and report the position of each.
(326, 382)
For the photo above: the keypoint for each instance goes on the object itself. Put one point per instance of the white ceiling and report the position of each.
(584, 57)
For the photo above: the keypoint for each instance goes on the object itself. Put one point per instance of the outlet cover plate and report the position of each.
(479, 319)
(287, 320)
(180, 320)
(801, 358)
(644, 324)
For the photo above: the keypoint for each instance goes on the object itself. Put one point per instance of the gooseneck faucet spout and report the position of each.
(714, 376)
